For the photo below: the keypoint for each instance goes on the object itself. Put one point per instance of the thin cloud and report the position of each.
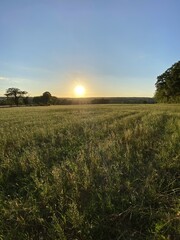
(3, 79)
(13, 79)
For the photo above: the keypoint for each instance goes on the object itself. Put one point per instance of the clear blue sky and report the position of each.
(112, 47)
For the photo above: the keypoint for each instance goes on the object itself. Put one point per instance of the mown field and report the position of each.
(106, 172)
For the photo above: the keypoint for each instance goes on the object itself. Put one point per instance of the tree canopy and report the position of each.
(15, 94)
(46, 97)
(168, 85)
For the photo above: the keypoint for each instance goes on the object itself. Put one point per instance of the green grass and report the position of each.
(104, 172)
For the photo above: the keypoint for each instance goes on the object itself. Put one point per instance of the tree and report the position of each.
(15, 94)
(46, 97)
(168, 85)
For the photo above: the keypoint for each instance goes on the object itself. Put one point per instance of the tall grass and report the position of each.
(90, 172)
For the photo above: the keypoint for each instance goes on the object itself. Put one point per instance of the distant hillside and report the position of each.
(132, 100)
(110, 100)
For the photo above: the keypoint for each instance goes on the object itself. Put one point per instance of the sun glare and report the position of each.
(79, 91)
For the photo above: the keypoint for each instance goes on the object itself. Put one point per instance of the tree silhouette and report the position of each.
(15, 94)
(46, 97)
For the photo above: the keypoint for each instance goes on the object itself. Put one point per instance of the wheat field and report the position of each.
(90, 172)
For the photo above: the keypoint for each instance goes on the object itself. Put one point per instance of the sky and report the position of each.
(114, 48)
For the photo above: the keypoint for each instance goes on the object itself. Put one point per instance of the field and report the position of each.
(104, 172)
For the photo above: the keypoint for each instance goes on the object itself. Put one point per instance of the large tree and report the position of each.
(46, 97)
(15, 94)
(168, 85)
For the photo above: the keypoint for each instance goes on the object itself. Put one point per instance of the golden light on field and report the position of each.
(79, 91)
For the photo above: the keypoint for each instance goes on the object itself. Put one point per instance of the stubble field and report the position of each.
(103, 172)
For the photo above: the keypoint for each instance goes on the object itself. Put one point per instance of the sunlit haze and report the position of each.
(114, 48)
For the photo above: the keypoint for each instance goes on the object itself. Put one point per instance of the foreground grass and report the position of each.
(90, 172)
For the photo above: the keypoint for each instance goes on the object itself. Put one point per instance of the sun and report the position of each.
(79, 91)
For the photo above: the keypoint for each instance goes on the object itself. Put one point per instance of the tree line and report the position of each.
(15, 96)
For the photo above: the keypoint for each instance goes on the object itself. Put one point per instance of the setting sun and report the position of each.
(79, 91)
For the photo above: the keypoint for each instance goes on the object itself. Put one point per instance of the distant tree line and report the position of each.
(100, 101)
(15, 96)
(47, 99)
